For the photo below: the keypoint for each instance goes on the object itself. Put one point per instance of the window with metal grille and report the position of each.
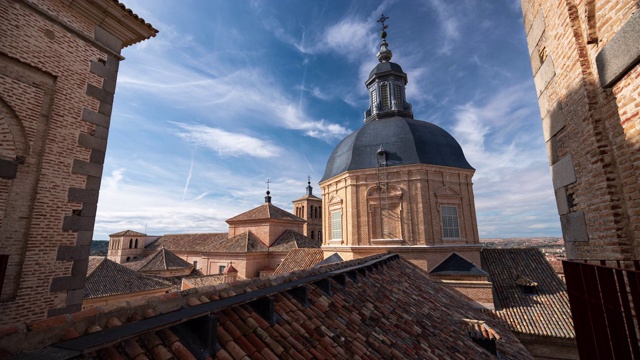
(450, 227)
(398, 96)
(384, 96)
(374, 99)
(336, 225)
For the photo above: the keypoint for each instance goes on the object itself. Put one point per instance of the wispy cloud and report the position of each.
(227, 143)
(512, 180)
(449, 24)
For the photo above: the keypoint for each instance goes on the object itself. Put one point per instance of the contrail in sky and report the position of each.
(186, 186)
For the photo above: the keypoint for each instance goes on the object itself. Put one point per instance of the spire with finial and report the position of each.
(386, 84)
(309, 188)
(384, 55)
(267, 199)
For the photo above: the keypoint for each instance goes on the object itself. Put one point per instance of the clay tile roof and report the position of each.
(106, 278)
(206, 280)
(480, 330)
(545, 313)
(266, 211)
(163, 259)
(290, 240)
(391, 311)
(457, 265)
(188, 242)
(299, 259)
(128, 233)
(230, 269)
(243, 242)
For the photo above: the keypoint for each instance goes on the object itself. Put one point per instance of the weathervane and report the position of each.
(384, 27)
(268, 182)
(308, 179)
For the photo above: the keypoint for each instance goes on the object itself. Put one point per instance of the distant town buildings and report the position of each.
(256, 243)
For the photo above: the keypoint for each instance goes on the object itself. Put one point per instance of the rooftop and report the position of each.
(107, 278)
(545, 313)
(371, 308)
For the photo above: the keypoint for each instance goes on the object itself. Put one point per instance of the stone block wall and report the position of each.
(585, 61)
(58, 71)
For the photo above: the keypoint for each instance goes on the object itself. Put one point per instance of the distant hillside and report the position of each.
(99, 248)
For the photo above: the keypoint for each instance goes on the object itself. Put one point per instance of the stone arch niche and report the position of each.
(384, 214)
(22, 142)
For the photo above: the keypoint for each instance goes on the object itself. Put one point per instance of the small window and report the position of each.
(136, 244)
(450, 227)
(384, 89)
(130, 244)
(311, 234)
(398, 96)
(195, 265)
(128, 258)
(319, 235)
(221, 268)
(374, 100)
(336, 225)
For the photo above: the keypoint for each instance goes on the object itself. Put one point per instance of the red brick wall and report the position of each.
(592, 131)
(57, 78)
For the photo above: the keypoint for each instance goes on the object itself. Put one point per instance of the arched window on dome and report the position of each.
(398, 103)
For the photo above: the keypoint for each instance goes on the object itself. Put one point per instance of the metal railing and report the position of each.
(605, 303)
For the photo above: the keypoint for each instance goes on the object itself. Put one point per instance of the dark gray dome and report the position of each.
(406, 141)
(386, 67)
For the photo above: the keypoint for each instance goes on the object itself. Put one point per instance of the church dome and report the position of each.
(389, 129)
(406, 142)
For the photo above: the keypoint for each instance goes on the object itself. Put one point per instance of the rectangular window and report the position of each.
(336, 225)
(384, 97)
(374, 99)
(221, 269)
(450, 227)
(398, 96)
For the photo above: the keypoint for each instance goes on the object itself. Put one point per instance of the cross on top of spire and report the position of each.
(383, 27)
(384, 55)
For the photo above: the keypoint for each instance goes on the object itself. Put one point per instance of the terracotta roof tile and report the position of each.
(290, 240)
(266, 211)
(244, 242)
(392, 311)
(188, 242)
(545, 313)
(107, 278)
(163, 259)
(128, 233)
(299, 259)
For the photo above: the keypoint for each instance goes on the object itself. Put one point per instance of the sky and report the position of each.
(232, 93)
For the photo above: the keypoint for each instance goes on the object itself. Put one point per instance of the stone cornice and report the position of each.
(116, 18)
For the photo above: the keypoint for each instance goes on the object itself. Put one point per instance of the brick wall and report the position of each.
(584, 57)
(57, 79)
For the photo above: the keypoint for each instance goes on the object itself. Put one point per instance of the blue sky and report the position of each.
(231, 93)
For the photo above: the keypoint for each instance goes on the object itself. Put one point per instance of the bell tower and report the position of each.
(309, 207)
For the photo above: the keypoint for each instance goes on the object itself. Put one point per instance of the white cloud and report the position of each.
(512, 183)
(227, 143)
